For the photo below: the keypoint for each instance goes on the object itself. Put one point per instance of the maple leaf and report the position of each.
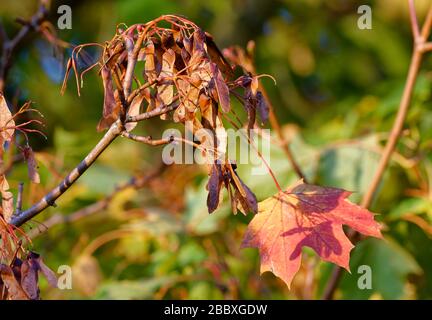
(306, 215)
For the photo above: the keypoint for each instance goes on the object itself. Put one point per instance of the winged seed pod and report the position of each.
(182, 67)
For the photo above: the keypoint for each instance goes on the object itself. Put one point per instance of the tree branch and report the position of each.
(147, 140)
(420, 39)
(153, 113)
(10, 44)
(136, 183)
(49, 200)
(413, 19)
(133, 51)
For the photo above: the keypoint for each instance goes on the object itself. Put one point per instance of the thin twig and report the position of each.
(400, 119)
(426, 29)
(416, 59)
(136, 183)
(147, 140)
(114, 131)
(153, 113)
(413, 19)
(19, 197)
(10, 45)
(133, 51)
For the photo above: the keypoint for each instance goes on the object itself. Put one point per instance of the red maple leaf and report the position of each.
(306, 215)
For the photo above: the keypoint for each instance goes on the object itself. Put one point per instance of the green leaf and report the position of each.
(196, 217)
(130, 290)
(191, 253)
(155, 223)
(349, 166)
(411, 206)
(390, 264)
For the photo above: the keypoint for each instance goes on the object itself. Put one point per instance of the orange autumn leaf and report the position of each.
(306, 215)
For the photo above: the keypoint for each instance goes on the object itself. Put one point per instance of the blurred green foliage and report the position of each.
(338, 89)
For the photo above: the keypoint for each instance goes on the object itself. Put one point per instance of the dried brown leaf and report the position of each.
(29, 279)
(166, 88)
(150, 62)
(134, 110)
(32, 166)
(221, 88)
(7, 124)
(14, 289)
(262, 106)
(7, 199)
(49, 275)
(214, 186)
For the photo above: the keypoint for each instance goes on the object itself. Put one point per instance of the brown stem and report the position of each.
(20, 197)
(147, 140)
(114, 131)
(137, 182)
(152, 114)
(397, 128)
(133, 51)
(413, 19)
(49, 199)
(420, 39)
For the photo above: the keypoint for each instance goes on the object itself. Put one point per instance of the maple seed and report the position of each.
(306, 215)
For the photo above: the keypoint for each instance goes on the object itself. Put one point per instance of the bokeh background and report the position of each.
(337, 93)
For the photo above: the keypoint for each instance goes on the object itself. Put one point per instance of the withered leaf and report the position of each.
(180, 114)
(134, 109)
(166, 88)
(254, 86)
(7, 199)
(242, 198)
(167, 40)
(222, 89)
(150, 62)
(187, 44)
(32, 166)
(49, 275)
(199, 39)
(262, 106)
(29, 279)
(15, 291)
(191, 100)
(109, 101)
(110, 107)
(7, 124)
(185, 56)
(208, 112)
(251, 113)
(245, 203)
(214, 186)
(141, 55)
